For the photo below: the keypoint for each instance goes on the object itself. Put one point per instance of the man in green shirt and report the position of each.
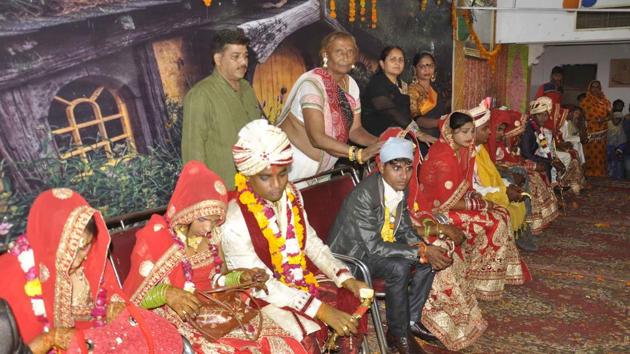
(217, 107)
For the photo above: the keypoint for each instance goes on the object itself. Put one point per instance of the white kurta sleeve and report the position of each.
(239, 253)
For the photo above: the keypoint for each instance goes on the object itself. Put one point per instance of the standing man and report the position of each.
(553, 89)
(217, 107)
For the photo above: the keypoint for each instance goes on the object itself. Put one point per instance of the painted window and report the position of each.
(87, 118)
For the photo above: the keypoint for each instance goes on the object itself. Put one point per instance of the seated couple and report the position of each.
(262, 236)
(425, 286)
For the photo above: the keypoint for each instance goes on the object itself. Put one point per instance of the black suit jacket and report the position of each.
(357, 229)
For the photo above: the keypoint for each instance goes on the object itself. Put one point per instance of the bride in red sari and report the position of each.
(179, 253)
(445, 187)
(62, 288)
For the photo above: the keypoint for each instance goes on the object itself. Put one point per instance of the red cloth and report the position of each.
(198, 192)
(444, 179)
(57, 217)
(341, 112)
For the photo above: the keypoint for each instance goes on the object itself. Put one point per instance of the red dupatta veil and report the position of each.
(199, 192)
(514, 122)
(54, 229)
(446, 174)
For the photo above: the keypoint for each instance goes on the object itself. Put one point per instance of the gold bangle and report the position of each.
(352, 150)
(359, 157)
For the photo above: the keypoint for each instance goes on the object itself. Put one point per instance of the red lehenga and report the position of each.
(157, 258)
(56, 222)
(543, 200)
(490, 251)
(451, 311)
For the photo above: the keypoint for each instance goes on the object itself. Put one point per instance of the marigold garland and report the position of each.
(363, 10)
(208, 3)
(454, 20)
(374, 15)
(333, 9)
(483, 52)
(288, 259)
(352, 11)
(387, 231)
(22, 250)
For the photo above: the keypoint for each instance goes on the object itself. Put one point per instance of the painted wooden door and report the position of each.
(274, 78)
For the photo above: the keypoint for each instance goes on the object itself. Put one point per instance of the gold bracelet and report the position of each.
(352, 150)
(359, 157)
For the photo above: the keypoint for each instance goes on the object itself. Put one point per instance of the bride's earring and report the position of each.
(325, 65)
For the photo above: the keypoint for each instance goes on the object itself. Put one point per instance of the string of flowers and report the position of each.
(454, 19)
(208, 3)
(333, 9)
(288, 260)
(100, 308)
(352, 11)
(33, 287)
(363, 10)
(542, 139)
(387, 231)
(374, 14)
(180, 239)
(483, 52)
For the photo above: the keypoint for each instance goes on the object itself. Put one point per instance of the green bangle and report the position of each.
(233, 278)
(155, 297)
(427, 227)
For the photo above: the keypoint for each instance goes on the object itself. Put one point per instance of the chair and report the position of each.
(124, 239)
(322, 203)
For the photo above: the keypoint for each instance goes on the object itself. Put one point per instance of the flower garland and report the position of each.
(483, 52)
(543, 144)
(333, 9)
(33, 287)
(387, 231)
(100, 308)
(180, 238)
(208, 3)
(288, 260)
(374, 15)
(352, 11)
(363, 11)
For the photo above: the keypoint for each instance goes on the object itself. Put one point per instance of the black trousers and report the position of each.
(406, 291)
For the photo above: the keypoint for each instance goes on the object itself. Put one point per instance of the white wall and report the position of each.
(582, 54)
(546, 26)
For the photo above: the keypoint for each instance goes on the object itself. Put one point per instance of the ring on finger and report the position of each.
(345, 328)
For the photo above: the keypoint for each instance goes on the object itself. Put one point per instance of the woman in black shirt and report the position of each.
(385, 102)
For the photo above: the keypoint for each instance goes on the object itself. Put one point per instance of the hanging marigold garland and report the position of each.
(352, 11)
(333, 9)
(454, 20)
(363, 11)
(208, 3)
(483, 52)
(374, 15)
